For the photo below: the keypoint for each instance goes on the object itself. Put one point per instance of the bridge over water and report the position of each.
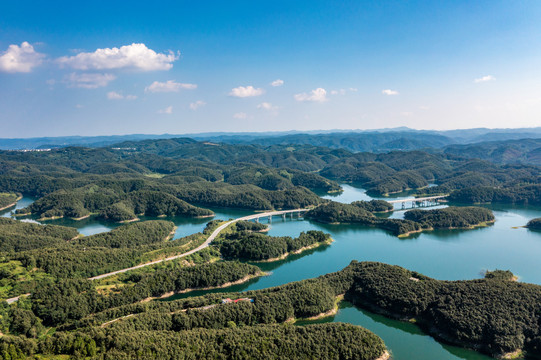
(419, 202)
(209, 240)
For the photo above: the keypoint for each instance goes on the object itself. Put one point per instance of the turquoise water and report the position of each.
(444, 254)
(94, 225)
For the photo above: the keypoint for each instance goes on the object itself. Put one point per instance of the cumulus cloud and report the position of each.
(247, 91)
(267, 106)
(113, 95)
(484, 79)
(389, 92)
(277, 82)
(134, 56)
(196, 105)
(89, 81)
(169, 86)
(20, 58)
(317, 95)
(167, 110)
(240, 115)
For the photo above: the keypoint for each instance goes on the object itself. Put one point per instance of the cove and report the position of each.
(442, 254)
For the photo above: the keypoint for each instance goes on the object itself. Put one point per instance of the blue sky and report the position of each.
(96, 68)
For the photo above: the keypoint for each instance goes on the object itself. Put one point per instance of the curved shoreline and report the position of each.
(435, 333)
(205, 244)
(225, 285)
(19, 197)
(295, 252)
(471, 227)
(331, 312)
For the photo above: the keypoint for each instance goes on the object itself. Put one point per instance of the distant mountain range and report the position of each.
(504, 146)
(523, 151)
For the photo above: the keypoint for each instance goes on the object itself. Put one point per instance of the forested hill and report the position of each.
(522, 151)
(249, 176)
(359, 142)
(381, 173)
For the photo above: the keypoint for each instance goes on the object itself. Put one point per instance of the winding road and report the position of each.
(207, 242)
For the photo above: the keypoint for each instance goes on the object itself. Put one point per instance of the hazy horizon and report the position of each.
(283, 132)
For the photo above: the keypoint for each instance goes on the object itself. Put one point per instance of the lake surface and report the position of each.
(443, 254)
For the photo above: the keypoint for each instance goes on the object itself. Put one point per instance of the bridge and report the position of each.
(419, 202)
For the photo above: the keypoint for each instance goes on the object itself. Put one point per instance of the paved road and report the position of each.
(207, 242)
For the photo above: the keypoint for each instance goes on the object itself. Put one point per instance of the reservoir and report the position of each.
(441, 254)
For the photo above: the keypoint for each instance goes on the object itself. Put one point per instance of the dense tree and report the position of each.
(334, 212)
(18, 236)
(265, 341)
(534, 224)
(6, 199)
(450, 217)
(374, 206)
(254, 246)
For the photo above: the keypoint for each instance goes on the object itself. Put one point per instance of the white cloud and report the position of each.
(79, 106)
(169, 86)
(389, 92)
(134, 56)
(167, 110)
(353, 89)
(247, 91)
(196, 105)
(89, 81)
(240, 115)
(336, 92)
(277, 82)
(317, 95)
(484, 79)
(20, 58)
(406, 113)
(423, 107)
(113, 95)
(267, 106)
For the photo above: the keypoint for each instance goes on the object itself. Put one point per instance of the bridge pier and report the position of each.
(270, 219)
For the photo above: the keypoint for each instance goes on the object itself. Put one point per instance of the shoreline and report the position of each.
(171, 234)
(331, 312)
(296, 252)
(19, 197)
(436, 333)
(225, 285)
(471, 227)
(129, 221)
